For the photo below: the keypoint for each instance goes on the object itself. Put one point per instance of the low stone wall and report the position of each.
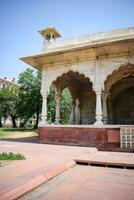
(94, 137)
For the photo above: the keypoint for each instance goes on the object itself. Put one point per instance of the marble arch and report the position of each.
(118, 74)
(118, 83)
(83, 97)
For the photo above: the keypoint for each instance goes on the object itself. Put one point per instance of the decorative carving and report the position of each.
(70, 78)
(109, 65)
(54, 72)
(127, 137)
(44, 85)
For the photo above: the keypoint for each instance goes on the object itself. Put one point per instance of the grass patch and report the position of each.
(17, 134)
(11, 156)
(15, 129)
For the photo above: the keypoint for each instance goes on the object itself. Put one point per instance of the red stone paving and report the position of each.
(43, 162)
(46, 161)
(89, 187)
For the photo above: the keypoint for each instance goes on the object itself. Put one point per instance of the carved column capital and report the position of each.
(57, 95)
(97, 89)
(104, 95)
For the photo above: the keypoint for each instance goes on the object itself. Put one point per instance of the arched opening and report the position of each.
(123, 101)
(65, 105)
(120, 102)
(83, 97)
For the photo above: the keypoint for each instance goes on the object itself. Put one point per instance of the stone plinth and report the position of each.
(94, 137)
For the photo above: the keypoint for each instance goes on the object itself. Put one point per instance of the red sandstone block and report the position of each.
(22, 189)
(57, 170)
(113, 136)
(97, 137)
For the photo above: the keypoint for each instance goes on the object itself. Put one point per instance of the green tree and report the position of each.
(25, 101)
(9, 99)
(51, 105)
(29, 95)
(3, 106)
(65, 106)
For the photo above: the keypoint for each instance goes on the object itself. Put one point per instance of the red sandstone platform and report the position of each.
(106, 137)
(43, 163)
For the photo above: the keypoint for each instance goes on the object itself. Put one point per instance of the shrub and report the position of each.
(11, 156)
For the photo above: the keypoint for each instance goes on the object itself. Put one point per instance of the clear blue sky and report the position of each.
(20, 21)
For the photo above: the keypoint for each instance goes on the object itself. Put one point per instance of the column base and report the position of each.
(99, 121)
(57, 121)
(43, 123)
(105, 120)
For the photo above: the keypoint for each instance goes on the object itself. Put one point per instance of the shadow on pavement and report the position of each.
(24, 139)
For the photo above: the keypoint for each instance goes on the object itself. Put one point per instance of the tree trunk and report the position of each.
(23, 124)
(37, 121)
(14, 122)
(0, 123)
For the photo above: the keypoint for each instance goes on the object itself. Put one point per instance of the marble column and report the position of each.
(104, 106)
(80, 106)
(44, 110)
(98, 113)
(44, 96)
(110, 114)
(77, 112)
(57, 114)
(98, 89)
(73, 111)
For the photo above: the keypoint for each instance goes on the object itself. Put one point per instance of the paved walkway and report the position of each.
(86, 182)
(43, 163)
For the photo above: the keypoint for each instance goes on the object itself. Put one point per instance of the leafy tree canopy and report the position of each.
(25, 101)
(29, 93)
(9, 98)
(65, 106)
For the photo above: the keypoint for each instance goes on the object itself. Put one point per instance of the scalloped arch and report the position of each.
(122, 72)
(78, 74)
(63, 70)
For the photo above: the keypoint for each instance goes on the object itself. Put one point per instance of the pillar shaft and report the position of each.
(44, 110)
(73, 109)
(98, 114)
(44, 96)
(97, 89)
(77, 112)
(110, 114)
(104, 105)
(57, 114)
